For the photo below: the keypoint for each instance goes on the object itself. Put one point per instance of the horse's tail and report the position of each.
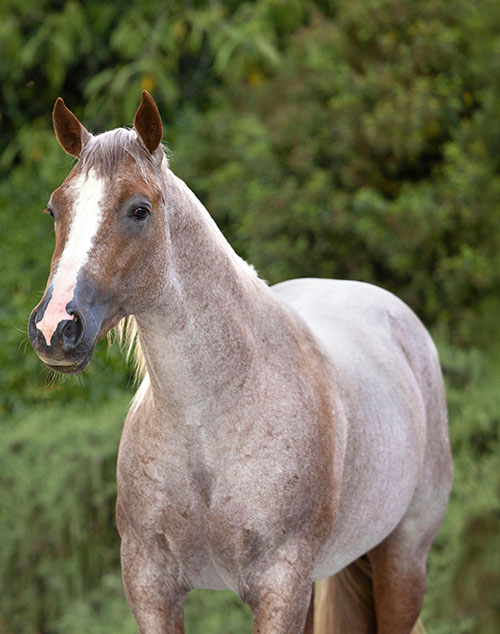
(344, 603)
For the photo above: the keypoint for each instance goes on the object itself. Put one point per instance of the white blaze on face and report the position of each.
(86, 217)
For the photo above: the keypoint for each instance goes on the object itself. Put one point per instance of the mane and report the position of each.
(125, 333)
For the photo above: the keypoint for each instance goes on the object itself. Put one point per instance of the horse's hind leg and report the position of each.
(399, 580)
(399, 562)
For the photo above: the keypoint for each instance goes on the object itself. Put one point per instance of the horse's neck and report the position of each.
(201, 340)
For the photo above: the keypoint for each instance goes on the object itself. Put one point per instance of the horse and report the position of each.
(280, 435)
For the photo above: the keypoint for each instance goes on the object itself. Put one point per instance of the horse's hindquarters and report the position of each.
(384, 365)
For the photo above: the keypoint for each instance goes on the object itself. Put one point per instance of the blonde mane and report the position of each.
(125, 334)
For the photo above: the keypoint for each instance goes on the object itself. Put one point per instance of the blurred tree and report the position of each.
(366, 154)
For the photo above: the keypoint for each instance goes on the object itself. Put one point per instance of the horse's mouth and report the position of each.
(69, 368)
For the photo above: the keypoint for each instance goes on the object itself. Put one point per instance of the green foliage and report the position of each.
(464, 564)
(57, 492)
(369, 153)
(105, 610)
(342, 139)
(210, 612)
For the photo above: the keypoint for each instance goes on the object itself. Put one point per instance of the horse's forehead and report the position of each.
(125, 182)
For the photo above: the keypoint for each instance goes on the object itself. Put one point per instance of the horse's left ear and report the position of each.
(147, 122)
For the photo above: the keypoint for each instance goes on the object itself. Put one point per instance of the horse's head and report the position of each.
(111, 242)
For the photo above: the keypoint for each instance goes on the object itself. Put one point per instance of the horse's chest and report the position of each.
(159, 503)
(214, 509)
(155, 482)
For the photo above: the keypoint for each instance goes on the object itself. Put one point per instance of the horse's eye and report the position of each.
(140, 213)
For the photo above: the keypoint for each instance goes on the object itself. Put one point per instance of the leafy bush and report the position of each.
(57, 495)
(464, 566)
(370, 153)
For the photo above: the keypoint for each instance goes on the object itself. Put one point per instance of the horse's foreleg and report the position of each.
(309, 626)
(281, 603)
(155, 600)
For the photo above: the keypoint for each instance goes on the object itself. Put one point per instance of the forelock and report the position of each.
(106, 151)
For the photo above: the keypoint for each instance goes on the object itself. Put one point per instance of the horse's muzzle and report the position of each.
(72, 343)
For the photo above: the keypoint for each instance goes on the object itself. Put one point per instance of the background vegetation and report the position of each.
(341, 138)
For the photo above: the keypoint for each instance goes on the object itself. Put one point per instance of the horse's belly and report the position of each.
(356, 532)
(381, 472)
(209, 578)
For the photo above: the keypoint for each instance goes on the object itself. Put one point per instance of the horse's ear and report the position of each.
(70, 133)
(147, 122)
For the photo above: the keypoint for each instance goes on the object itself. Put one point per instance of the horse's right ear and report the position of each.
(70, 133)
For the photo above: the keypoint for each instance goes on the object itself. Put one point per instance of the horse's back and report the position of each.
(387, 381)
(365, 332)
(356, 310)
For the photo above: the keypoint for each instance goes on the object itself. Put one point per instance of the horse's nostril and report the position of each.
(33, 331)
(72, 332)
